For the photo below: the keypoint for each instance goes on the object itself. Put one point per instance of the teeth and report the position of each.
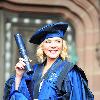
(53, 51)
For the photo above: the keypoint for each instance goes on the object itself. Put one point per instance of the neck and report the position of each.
(48, 65)
(50, 61)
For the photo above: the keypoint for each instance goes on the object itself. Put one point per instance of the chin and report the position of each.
(54, 56)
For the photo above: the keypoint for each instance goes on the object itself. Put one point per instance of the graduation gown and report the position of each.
(63, 81)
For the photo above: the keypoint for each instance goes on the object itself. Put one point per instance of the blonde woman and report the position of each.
(55, 78)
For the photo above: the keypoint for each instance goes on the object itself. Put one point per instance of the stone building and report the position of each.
(26, 16)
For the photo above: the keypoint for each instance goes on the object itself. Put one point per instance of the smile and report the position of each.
(53, 51)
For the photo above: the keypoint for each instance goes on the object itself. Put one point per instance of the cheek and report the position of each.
(45, 49)
(60, 47)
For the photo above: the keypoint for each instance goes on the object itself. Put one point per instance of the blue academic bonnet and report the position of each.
(49, 31)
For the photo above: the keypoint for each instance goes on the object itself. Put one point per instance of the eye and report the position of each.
(47, 41)
(58, 41)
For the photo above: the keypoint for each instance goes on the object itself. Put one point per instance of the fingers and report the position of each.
(20, 64)
(20, 67)
(21, 59)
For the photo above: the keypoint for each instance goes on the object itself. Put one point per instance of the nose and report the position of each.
(53, 45)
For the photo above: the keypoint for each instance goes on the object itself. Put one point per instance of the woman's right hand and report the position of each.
(20, 68)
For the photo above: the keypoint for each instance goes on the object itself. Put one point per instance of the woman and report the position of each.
(54, 78)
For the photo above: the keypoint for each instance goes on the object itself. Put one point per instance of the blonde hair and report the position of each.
(41, 56)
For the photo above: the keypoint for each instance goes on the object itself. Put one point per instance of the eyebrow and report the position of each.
(54, 39)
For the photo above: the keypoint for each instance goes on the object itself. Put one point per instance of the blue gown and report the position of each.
(63, 81)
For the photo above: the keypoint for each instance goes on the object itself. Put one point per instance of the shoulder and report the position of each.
(77, 70)
(71, 69)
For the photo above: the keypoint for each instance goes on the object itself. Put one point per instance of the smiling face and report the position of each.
(52, 47)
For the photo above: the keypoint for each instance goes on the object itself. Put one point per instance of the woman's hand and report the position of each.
(20, 68)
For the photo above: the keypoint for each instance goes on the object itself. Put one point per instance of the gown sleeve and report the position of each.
(11, 94)
(25, 90)
(77, 87)
(7, 88)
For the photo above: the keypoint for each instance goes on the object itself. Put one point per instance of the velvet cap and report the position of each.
(49, 31)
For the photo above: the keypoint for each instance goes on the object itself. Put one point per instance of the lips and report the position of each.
(53, 51)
